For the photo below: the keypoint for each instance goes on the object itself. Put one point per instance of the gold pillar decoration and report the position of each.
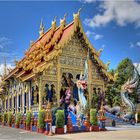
(17, 103)
(8, 103)
(23, 103)
(40, 90)
(58, 80)
(4, 105)
(89, 78)
(27, 96)
(13, 103)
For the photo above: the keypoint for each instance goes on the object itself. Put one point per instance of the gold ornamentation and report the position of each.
(41, 32)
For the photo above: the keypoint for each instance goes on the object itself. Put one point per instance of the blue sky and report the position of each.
(112, 25)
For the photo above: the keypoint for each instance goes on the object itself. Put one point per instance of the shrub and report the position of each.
(28, 118)
(138, 116)
(9, 118)
(0, 117)
(93, 117)
(4, 117)
(60, 119)
(41, 117)
(18, 117)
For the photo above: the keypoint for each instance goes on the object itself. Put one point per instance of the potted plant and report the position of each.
(18, 117)
(60, 121)
(28, 120)
(10, 119)
(93, 120)
(41, 122)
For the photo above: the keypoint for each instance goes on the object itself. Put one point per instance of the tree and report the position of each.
(121, 74)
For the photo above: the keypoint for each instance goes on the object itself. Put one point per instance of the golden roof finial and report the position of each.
(54, 21)
(100, 51)
(41, 32)
(79, 10)
(78, 13)
(31, 42)
(63, 21)
(107, 65)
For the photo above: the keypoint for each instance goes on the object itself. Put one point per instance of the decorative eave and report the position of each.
(20, 73)
(11, 73)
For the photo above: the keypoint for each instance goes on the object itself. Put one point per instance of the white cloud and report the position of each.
(4, 42)
(135, 45)
(89, 33)
(122, 12)
(95, 35)
(138, 44)
(88, 1)
(9, 66)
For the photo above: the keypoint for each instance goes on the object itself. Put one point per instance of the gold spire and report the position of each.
(78, 13)
(107, 65)
(41, 32)
(54, 22)
(100, 51)
(31, 42)
(5, 67)
(63, 21)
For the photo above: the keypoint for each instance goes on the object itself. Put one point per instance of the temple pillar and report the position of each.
(13, 103)
(40, 90)
(29, 97)
(8, 104)
(22, 103)
(17, 102)
(89, 80)
(4, 105)
(58, 80)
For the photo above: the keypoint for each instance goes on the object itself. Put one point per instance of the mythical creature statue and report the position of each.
(132, 85)
(128, 109)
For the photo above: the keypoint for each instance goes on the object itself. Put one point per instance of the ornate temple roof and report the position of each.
(49, 45)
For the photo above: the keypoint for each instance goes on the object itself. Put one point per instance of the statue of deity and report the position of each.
(49, 92)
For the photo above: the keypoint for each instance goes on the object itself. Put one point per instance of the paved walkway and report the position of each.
(7, 133)
(127, 132)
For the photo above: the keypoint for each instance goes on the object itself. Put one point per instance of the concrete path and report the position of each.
(7, 133)
(126, 132)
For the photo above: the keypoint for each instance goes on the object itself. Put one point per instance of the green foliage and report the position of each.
(138, 116)
(124, 72)
(4, 117)
(28, 118)
(9, 118)
(60, 119)
(41, 118)
(93, 117)
(18, 117)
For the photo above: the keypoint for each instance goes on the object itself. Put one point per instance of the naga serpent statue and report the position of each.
(132, 85)
(128, 109)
